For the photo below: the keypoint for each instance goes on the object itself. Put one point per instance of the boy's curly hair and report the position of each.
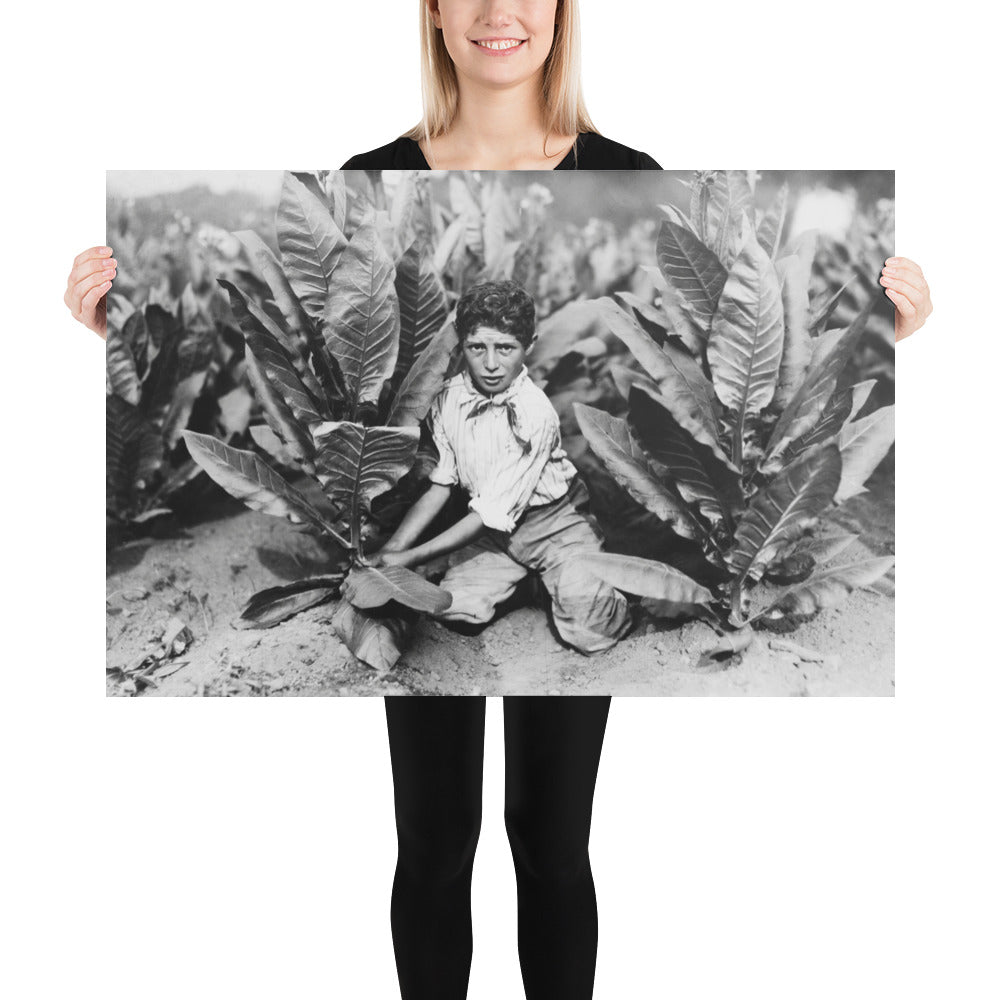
(503, 305)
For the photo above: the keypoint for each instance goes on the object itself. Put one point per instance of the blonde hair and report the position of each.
(564, 110)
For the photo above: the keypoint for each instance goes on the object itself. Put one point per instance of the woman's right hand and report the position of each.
(88, 286)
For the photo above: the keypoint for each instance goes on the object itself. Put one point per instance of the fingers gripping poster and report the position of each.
(453, 433)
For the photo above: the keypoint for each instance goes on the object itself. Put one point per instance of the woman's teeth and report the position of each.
(500, 45)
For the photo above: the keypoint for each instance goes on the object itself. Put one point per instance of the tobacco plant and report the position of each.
(158, 366)
(742, 430)
(855, 261)
(483, 234)
(345, 356)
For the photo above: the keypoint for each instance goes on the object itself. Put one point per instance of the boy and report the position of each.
(497, 436)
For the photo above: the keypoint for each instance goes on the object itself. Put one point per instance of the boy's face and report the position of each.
(494, 358)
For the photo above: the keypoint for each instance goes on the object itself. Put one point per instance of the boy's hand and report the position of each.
(905, 285)
(400, 558)
(388, 557)
(87, 288)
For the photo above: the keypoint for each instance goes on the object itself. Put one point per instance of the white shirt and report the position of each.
(482, 453)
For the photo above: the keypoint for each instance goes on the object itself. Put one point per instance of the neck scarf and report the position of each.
(505, 400)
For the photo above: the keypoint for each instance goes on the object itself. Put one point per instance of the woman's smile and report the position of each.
(499, 46)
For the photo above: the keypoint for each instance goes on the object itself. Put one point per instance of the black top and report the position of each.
(594, 152)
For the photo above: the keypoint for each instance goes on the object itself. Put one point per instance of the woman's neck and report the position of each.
(497, 129)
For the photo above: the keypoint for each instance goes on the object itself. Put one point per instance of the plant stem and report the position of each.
(735, 602)
(355, 526)
(737, 446)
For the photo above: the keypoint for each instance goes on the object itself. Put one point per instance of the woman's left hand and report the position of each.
(905, 285)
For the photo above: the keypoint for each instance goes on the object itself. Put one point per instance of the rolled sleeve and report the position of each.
(494, 513)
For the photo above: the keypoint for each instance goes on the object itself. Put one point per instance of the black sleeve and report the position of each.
(646, 162)
(352, 164)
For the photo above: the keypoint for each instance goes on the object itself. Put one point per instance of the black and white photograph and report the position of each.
(506, 391)
(379, 432)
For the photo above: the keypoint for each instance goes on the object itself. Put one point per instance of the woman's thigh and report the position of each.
(552, 752)
(436, 751)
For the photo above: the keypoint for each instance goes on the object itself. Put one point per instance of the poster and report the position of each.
(715, 350)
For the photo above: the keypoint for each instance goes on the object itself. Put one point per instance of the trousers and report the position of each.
(553, 541)
(552, 748)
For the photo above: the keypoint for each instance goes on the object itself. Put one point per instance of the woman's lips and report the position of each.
(499, 52)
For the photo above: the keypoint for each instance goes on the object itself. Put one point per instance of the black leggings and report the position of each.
(552, 750)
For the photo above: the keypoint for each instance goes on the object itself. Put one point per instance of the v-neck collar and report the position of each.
(568, 162)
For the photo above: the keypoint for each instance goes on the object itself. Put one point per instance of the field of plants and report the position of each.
(723, 376)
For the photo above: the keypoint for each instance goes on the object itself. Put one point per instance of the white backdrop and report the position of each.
(245, 849)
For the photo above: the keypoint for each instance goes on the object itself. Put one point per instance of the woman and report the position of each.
(501, 90)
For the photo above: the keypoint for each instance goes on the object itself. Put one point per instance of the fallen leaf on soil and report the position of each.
(729, 645)
(802, 653)
(177, 637)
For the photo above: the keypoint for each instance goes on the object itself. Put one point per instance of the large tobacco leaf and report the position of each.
(686, 391)
(829, 585)
(279, 415)
(719, 200)
(692, 269)
(273, 605)
(610, 440)
(305, 402)
(358, 462)
(842, 406)
(293, 316)
(806, 406)
(797, 350)
(772, 223)
(425, 378)
(164, 368)
(373, 587)
(310, 244)
(701, 479)
(863, 444)
(120, 364)
(784, 510)
(175, 420)
(746, 339)
(644, 577)
(134, 454)
(422, 306)
(247, 477)
(361, 321)
(377, 637)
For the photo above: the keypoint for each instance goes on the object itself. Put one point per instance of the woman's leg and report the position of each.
(436, 749)
(552, 751)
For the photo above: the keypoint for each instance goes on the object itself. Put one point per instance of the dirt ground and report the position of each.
(195, 582)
